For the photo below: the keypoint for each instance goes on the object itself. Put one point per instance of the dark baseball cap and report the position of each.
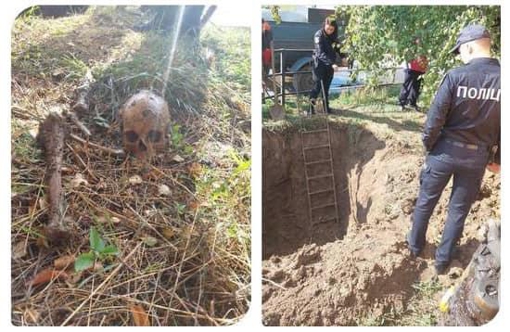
(470, 33)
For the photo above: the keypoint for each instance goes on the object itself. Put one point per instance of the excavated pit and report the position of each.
(355, 270)
(287, 223)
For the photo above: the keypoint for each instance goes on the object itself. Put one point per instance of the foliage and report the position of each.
(232, 49)
(382, 36)
(98, 250)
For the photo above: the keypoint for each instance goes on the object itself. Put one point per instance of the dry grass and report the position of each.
(197, 271)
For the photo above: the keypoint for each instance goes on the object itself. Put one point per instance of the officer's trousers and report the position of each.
(467, 168)
(410, 90)
(324, 73)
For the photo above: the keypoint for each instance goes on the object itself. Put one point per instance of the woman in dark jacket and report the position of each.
(324, 56)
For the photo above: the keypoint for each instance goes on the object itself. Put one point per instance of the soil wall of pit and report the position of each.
(287, 225)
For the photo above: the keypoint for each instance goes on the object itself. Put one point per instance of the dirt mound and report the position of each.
(358, 270)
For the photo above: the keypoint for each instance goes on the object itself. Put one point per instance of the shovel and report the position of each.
(276, 111)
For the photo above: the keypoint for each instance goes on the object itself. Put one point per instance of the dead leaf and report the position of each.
(135, 179)
(194, 205)
(32, 207)
(42, 242)
(150, 212)
(78, 181)
(178, 158)
(43, 202)
(164, 190)
(46, 276)
(74, 277)
(154, 175)
(59, 72)
(67, 170)
(64, 262)
(195, 169)
(140, 317)
(168, 232)
(150, 241)
(97, 267)
(108, 219)
(19, 250)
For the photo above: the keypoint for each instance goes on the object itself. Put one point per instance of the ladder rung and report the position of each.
(319, 176)
(317, 162)
(321, 220)
(323, 206)
(316, 146)
(320, 191)
(315, 131)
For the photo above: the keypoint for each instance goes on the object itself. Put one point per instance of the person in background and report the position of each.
(462, 138)
(324, 56)
(411, 87)
(267, 38)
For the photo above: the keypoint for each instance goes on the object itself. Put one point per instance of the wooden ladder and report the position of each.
(319, 172)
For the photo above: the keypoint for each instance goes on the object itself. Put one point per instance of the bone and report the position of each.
(51, 135)
(72, 116)
(81, 104)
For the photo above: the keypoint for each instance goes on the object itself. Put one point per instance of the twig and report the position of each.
(274, 283)
(80, 160)
(114, 272)
(172, 179)
(115, 152)
(152, 228)
(72, 116)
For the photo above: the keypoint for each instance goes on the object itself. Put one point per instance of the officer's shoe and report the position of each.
(441, 267)
(412, 253)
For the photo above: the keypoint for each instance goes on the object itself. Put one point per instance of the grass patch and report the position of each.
(422, 309)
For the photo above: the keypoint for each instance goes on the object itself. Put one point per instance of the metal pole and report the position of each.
(282, 71)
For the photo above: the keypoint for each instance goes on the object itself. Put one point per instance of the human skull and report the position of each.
(145, 123)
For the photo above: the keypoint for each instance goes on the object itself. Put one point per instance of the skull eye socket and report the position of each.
(131, 136)
(154, 136)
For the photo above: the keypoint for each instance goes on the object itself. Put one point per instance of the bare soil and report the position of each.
(357, 270)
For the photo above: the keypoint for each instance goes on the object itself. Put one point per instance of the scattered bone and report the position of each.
(81, 94)
(51, 135)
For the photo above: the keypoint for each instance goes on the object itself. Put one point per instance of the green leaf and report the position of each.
(84, 261)
(96, 243)
(110, 250)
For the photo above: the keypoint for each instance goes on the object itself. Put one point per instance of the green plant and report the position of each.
(181, 208)
(98, 251)
(379, 37)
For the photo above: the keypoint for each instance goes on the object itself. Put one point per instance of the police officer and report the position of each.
(324, 56)
(462, 128)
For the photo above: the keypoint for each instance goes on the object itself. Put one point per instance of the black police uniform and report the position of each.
(463, 124)
(324, 57)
